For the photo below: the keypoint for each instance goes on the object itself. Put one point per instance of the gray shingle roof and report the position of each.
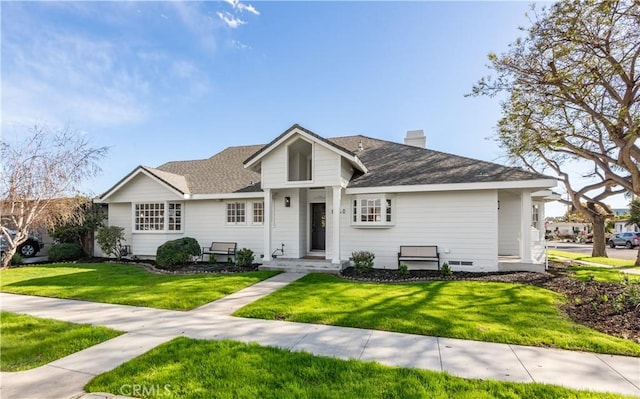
(394, 164)
(388, 163)
(222, 173)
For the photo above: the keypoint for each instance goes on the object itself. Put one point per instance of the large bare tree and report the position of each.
(573, 89)
(42, 171)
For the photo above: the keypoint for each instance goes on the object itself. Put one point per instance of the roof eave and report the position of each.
(537, 184)
(135, 172)
(254, 160)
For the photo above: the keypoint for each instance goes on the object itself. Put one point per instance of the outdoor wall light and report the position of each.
(287, 202)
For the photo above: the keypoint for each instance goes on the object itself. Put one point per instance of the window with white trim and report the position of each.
(258, 212)
(372, 211)
(535, 215)
(236, 213)
(175, 217)
(153, 216)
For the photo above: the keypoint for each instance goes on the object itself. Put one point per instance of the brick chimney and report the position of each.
(416, 138)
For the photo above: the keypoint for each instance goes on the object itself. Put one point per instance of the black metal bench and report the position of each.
(419, 253)
(227, 249)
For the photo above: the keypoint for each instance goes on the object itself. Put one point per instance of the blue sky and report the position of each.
(161, 81)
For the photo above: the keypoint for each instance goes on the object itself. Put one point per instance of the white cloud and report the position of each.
(59, 77)
(238, 5)
(239, 45)
(60, 74)
(230, 20)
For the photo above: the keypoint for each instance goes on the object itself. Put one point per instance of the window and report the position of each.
(235, 212)
(258, 212)
(152, 216)
(372, 211)
(175, 217)
(300, 161)
(535, 216)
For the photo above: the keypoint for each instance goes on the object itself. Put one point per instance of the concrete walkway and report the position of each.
(147, 328)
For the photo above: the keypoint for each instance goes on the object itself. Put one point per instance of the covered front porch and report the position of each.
(302, 230)
(521, 230)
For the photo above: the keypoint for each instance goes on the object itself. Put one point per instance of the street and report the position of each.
(618, 252)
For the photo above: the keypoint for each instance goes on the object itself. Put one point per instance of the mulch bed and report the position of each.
(608, 307)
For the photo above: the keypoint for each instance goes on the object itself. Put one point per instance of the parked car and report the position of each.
(628, 240)
(27, 249)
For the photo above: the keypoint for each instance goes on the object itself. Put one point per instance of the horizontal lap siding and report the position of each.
(274, 168)
(118, 215)
(143, 189)
(286, 227)
(465, 223)
(206, 222)
(326, 169)
(509, 224)
(326, 165)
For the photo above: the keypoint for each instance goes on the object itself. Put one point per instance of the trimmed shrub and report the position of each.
(244, 257)
(403, 269)
(363, 260)
(110, 240)
(445, 270)
(176, 253)
(16, 260)
(65, 251)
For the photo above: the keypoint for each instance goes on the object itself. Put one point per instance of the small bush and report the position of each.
(65, 251)
(445, 270)
(110, 240)
(363, 260)
(403, 269)
(173, 254)
(244, 257)
(16, 260)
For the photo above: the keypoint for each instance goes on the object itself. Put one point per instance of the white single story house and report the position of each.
(623, 226)
(303, 196)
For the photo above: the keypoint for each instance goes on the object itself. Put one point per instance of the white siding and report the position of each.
(325, 168)
(204, 220)
(509, 224)
(274, 168)
(463, 225)
(118, 215)
(326, 171)
(143, 189)
(286, 223)
(346, 171)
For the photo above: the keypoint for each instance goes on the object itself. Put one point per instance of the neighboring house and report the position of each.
(621, 226)
(325, 198)
(568, 230)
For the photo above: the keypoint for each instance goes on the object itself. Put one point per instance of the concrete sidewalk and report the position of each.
(147, 328)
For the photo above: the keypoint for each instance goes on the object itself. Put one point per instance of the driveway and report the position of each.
(618, 252)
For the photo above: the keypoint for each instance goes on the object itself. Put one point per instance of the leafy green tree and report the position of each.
(80, 230)
(573, 95)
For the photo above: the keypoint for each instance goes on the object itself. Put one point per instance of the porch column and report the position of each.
(335, 214)
(525, 227)
(267, 224)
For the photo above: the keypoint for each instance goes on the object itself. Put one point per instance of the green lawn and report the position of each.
(611, 270)
(125, 284)
(598, 259)
(27, 342)
(187, 368)
(483, 311)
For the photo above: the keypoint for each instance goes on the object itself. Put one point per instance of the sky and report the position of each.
(164, 81)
